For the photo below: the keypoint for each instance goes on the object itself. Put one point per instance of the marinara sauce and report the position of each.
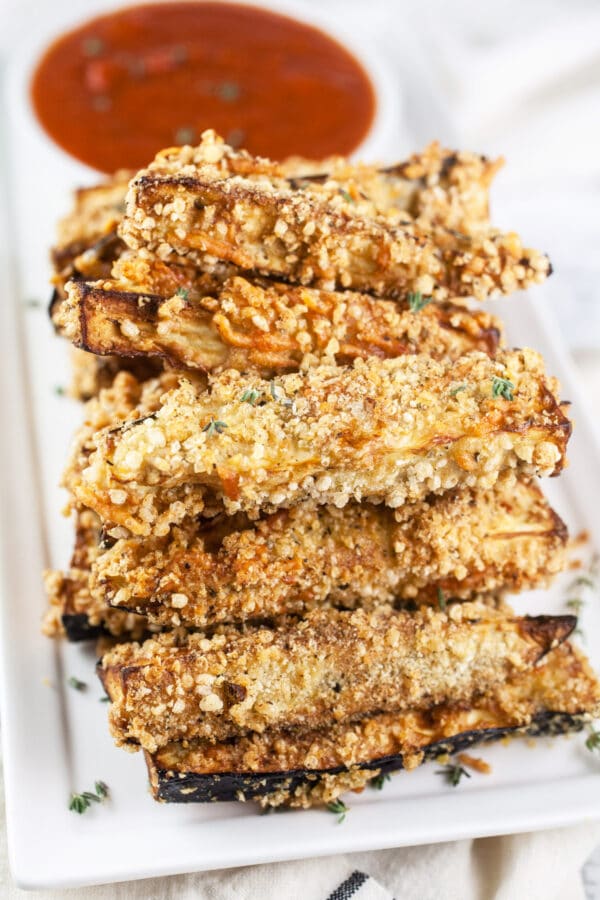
(123, 86)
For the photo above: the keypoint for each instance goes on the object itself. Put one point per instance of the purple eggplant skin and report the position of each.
(193, 787)
(78, 628)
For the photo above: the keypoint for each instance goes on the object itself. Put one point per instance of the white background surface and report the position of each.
(524, 84)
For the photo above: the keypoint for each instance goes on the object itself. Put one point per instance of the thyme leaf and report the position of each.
(251, 396)
(416, 301)
(183, 293)
(453, 773)
(502, 387)
(76, 684)
(347, 196)
(441, 600)
(80, 802)
(339, 809)
(215, 426)
(457, 390)
(379, 781)
(592, 742)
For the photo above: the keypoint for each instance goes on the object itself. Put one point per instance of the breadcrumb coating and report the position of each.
(211, 202)
(325, 763)
(264, 326)
(330, 667)
(383, 430)
(463, 543)
(69, 592)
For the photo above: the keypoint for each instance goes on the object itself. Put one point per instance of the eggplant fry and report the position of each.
(330, 667)
(315, 767)
(90, 373)
(211, 202)
(463, 543)
(383, 430)
(264, 327)
(87, 243)
(73, 610)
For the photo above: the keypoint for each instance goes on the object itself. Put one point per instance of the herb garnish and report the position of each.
(185, 135)
(105, 699)
(592, 742)
(502, 387)
(59, 390)
(579, 586)
(339, 809)
(228, 91)
(379, 781)
(452, 772)
(33, 303)
(215, 426)
(80, 802)
(441, 600)
(101, 788)
(416, 301)
(457, 390)
(347, 196)
(76, 684)
(93, 46)
(183, 293)
(251, 396)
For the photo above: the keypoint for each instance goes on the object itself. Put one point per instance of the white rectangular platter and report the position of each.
(55, 739)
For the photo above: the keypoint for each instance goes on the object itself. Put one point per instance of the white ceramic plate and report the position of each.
(56, 739)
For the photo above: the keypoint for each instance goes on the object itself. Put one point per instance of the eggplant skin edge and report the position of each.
(78, 627)
(170, 786)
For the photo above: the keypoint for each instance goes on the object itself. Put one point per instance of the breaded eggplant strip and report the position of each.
(330, 667)
(193, 202)
(91, 373)
(87, 241)
(382, 430)
(262, 326)
(314, 767)
(463, 543)
(73, 610)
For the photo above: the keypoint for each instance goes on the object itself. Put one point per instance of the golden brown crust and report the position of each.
(263, 326)
(563, 684)
(463, 543)
(392, 430)
(69, 594)
(211, 202)
(330, 667)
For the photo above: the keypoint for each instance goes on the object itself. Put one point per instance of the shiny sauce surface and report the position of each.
(123, 86)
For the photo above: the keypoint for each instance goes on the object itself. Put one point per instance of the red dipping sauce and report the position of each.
(123, 86)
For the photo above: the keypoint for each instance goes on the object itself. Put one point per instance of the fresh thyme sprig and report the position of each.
(251, 396)
(183, 293)
(416, 301)
(80, 802)
(339, 809)
(579, 586)
(453, 773)
(379, 781)
(76, 684)
(215, 426)
(502, 387)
